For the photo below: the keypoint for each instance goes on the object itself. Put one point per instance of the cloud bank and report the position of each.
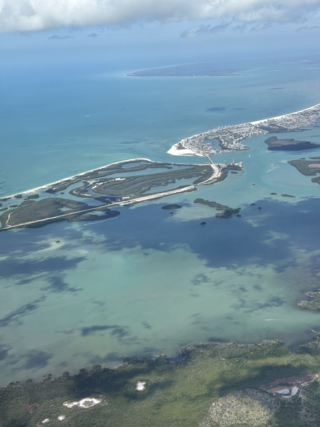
(33, 15)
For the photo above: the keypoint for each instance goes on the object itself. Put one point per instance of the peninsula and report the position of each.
(308, 167)
(229, 138)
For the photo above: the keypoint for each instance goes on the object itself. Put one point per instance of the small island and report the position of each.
(275, 144)
(171, 207)
(307, 167)
(227, 211)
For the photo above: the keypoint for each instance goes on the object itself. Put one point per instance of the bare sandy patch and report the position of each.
(140, 385)
(87, 402)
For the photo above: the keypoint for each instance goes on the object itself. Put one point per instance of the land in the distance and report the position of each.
(118, 184)
(206, 69)
(229, 138)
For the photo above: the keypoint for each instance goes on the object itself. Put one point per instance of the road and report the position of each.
(121, 203)
(216, 174)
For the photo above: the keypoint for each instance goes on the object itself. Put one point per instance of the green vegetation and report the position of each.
(107, 171)
(291, 144)
(307, 167)
(316, 179)
(303, 166)
(170, 207)
(140, 185)
(228, 212)
(100, 186)
(311, 305)
(48, 209)
(248, 407)
(176, 393)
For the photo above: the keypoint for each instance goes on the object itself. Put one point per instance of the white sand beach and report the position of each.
(174, 151)
(285, 115)
(43, 187)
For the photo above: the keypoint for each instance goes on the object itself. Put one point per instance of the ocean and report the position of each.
(149, 282)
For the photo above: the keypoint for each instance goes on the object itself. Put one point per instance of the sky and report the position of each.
(176, 29)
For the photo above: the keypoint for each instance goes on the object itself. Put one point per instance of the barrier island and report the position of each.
(102, 189)
(229, 138)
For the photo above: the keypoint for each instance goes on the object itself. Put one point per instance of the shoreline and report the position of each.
(284, 115)
(120, 203)
(216, 174)
(42, 187)
(176, 152)
(188, 152)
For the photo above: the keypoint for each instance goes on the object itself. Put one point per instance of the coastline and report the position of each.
(186, 151)
(284, 115)
(189, 152)
(227, 381)
(95, 208)
(42, 187)
(217, 173)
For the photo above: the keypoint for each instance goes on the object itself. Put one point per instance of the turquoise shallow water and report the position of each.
(149, 282)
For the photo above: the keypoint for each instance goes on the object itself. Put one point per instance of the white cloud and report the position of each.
(31, 15)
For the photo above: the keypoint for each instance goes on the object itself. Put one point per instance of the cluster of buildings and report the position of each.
(295, 120)
(226, 164)
(230, 138)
